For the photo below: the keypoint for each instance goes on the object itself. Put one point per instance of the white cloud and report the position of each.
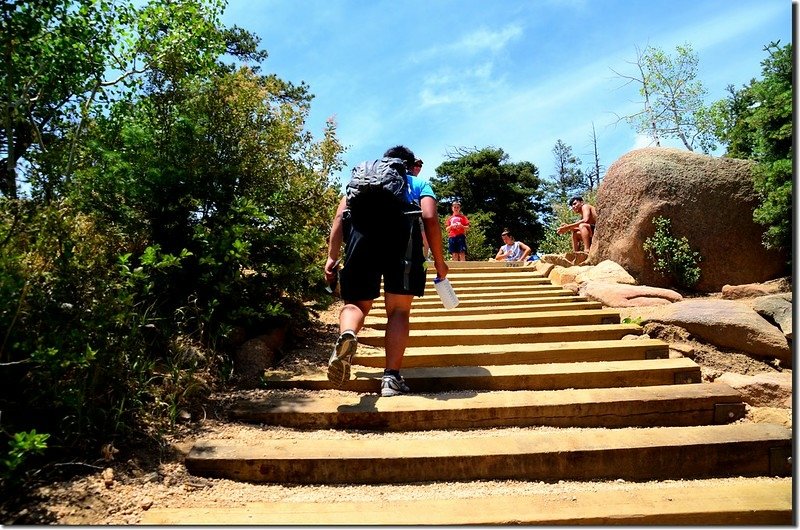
(480, 40)
(641, 141)
(430, 98)
(484, 39)
(730, 24)
(564, 103)
(467, 86)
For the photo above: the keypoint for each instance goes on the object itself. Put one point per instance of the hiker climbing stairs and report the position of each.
(542, 385)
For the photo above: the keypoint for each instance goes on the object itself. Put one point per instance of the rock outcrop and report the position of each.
(564, 275)
(606, 271)
(776, 308)
(759, 327)
(709, 200)
(762, 390)
(621, 295)
(727, 324)
(751, 290)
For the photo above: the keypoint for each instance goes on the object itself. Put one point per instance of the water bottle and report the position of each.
(446, 293)
(331, 287)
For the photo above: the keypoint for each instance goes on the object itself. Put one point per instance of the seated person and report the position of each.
(512, 250)
(583, 228)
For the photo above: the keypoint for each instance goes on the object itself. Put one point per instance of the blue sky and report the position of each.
(516, 74)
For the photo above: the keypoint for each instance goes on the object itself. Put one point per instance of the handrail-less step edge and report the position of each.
(665, 405)
(545, 376)
(548, 455)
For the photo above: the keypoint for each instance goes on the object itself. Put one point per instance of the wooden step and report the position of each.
(483, 267)
(484, 300)
(439, 337)
(504, 281)
(488, 309)
(562, 297)
(505, 320)
(491, 272)
(519, 293)
(501, 354)
(498, 291)
(508, 377)
(670, 405)
(457, 267)
(753, 501)
(746, 450)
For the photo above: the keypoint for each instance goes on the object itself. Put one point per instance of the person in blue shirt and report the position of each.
(375, 248)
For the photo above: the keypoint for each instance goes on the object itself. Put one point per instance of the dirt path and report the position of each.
(121, 491)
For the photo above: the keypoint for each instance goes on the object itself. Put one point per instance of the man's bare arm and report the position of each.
(430, 221)
(335, 241)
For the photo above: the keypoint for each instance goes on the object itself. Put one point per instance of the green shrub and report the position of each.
(22, 445)
(479, 243)
(672, 257)
(554, 243)
(94, 356)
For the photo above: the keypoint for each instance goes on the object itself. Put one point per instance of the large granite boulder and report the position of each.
(762, 390)
(727, 324)
(564, 275)
(606, 271)
(752, 290)
(709, 200)
(776, 308)
(622, 295)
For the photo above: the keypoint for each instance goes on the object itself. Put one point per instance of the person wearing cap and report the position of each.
(582, 229)
(457, 225)
(373, 252)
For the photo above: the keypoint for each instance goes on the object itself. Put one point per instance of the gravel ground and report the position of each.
(119, 492)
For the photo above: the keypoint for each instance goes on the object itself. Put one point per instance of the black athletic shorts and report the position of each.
(375, 249)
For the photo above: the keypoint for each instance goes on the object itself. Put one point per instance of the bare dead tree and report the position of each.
(593, 172)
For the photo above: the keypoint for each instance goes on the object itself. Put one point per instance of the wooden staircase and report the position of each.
(543, 386)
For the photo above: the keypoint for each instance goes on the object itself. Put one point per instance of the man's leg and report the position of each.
(398, 311)
(352, 315)
(351, 320)
(576, 241)
(586, 236)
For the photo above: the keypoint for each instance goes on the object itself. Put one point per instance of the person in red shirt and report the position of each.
(457, 226)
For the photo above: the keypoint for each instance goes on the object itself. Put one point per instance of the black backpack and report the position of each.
(378, 181)
(377, 189)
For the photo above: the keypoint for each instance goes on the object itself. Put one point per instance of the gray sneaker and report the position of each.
(342, 356)
(392, 385)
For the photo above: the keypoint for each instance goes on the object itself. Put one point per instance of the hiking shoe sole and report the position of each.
(338, 371)
(339, 363)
